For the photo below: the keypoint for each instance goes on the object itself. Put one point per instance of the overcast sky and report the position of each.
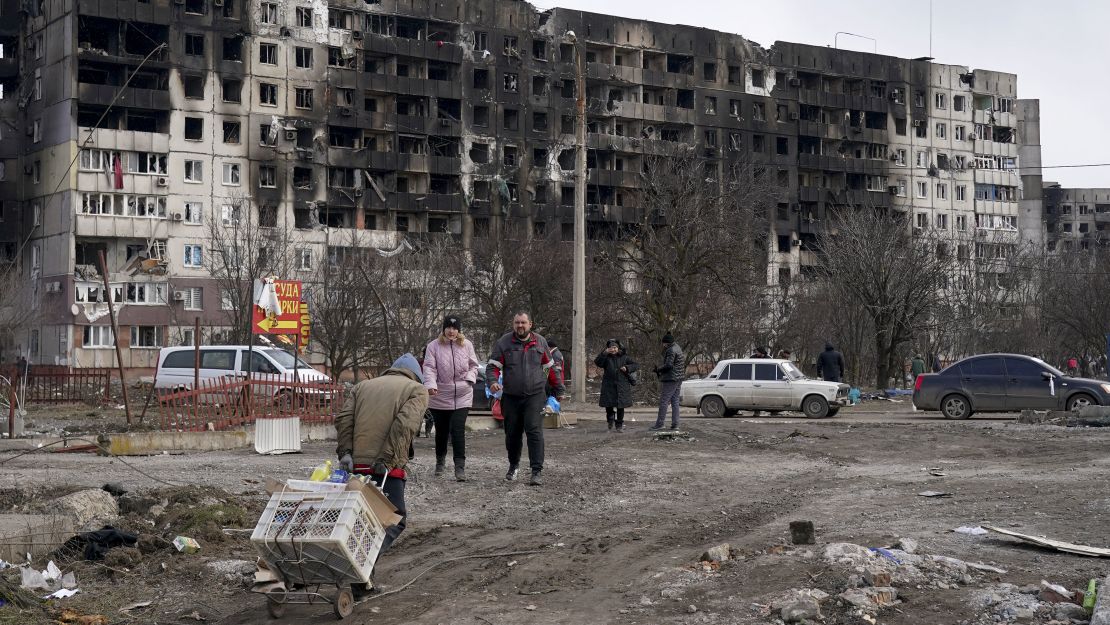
(1058, 50)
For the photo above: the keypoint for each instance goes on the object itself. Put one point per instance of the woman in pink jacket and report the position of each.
(450, 370)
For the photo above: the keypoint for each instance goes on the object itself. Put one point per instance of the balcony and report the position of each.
(104, 95)
(151, 13)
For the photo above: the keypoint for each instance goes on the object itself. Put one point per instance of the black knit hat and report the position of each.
(451, 321)
(667, 338)
(612, 343)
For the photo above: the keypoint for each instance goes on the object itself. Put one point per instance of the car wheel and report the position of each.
(731, 412)
(1081, 400)
(955, 407)
(832, 412)
(712, 407)
(815, 407)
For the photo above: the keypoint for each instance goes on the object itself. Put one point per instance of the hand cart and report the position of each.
(314, 540)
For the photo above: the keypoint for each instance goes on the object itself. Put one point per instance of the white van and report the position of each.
(275, 366)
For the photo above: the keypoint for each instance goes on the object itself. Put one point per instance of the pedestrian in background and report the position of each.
(830, 364)
(917, 366)
(784, 354)
(450, 370)
(559, 366)
(618, 371)
(523, 359)
(759, 352)
(671, 373)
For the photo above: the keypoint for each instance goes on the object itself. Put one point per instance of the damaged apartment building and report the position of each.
(376, 119)
(1076, 219)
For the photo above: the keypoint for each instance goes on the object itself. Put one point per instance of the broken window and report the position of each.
(680, 64)
(782, 146)
(759, 79)
(919, 99)
(443, 185)
(900, 126)
(735, 142)
(958, 103)
(961, 196)
(782, 113)
(194, 171)
(509, 155)
(759, 111)
(337, 58)
(231, 174)
(481, 116)
(304, 17)
(232, 90)
(413, 106)
(920, 129)
(194, 128)
(510, 48)
(340, 19)
(710, 105)
(510, 82)
(539, 49)
(758, 143)
(481, 79)
(940, 101)
(449, 108)
(304, 97)
(267, 176)
(268, 13)
(266, 136)
(196, 7)
(709, 71)
(539, 121)
(302, 177)
(942, 191)
(194, 44)
(231, 132)
(511, 119)
(304, 57)
(438, 70)
(267, 94)
(942, 130)
(539, 85)
(481, 40)
(192, 86)
(684, 98)
(343, 177)
(710, 138)
(340, 137)
(566, 88)
(267, 53)
(233, 48)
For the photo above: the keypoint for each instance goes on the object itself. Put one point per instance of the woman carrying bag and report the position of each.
(619, 374)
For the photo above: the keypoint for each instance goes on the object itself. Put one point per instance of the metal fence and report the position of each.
(230, 402)
(60, 385)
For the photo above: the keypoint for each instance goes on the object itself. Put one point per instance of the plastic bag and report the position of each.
(552, 405)
(496, 410)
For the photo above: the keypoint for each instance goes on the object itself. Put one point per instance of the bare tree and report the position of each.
(695, 261)
(240, 251)
(18, 309)
(1075, 291)
(898, 278)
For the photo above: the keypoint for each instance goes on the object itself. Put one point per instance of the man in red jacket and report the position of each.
(523, 358)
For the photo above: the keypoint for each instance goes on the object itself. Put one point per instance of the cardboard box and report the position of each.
(554, 421)
(185, 544)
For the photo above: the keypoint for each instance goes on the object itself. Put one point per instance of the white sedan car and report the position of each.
(762, 384)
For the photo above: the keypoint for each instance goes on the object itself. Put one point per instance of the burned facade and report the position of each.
(383, 117)
(1076, 219)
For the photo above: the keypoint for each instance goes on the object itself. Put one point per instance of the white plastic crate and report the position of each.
(319, 538)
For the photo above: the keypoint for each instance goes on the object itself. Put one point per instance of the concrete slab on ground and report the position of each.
(36, 534)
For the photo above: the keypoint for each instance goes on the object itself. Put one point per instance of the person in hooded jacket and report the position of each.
(616, 384)
(830, 364)
(450, 371)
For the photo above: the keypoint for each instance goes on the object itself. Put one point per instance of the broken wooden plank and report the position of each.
(1048, 543)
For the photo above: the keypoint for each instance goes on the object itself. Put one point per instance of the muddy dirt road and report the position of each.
(618, 528)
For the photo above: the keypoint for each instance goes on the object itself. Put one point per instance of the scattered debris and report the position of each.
(72, 617)
(95, 545)
(873, 597)
(135, 606)
(802, 533)
(671, 435)
(1049, 543)
(719, 553)
(1054, 593)
(800, 611)
(934, 493)
(185, 544)
(970, 531)
(62, 593)
(908, 545)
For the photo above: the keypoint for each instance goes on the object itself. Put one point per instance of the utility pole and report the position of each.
(578, 357)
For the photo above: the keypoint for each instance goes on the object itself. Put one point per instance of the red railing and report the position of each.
(60, 385)
(229, 402)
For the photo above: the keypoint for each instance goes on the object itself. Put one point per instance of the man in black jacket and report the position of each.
(671, 374)
(830, 364)
(524, 360)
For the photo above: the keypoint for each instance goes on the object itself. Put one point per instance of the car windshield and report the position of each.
(792, 372)
(285, 359)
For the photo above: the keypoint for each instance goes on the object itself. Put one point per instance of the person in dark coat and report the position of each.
(830, 364)
(616, 388)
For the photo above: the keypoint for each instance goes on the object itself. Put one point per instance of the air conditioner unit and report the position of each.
(163, 181)
(345, 111)
(356, 35)
(176, 217)
(290, 135)
(358, 191)
(793, 116)
(179, 296)
(795, 82)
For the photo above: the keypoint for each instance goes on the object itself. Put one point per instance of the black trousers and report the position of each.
(609, 415)
(395, 492)
(451, 424)
(524, 416)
